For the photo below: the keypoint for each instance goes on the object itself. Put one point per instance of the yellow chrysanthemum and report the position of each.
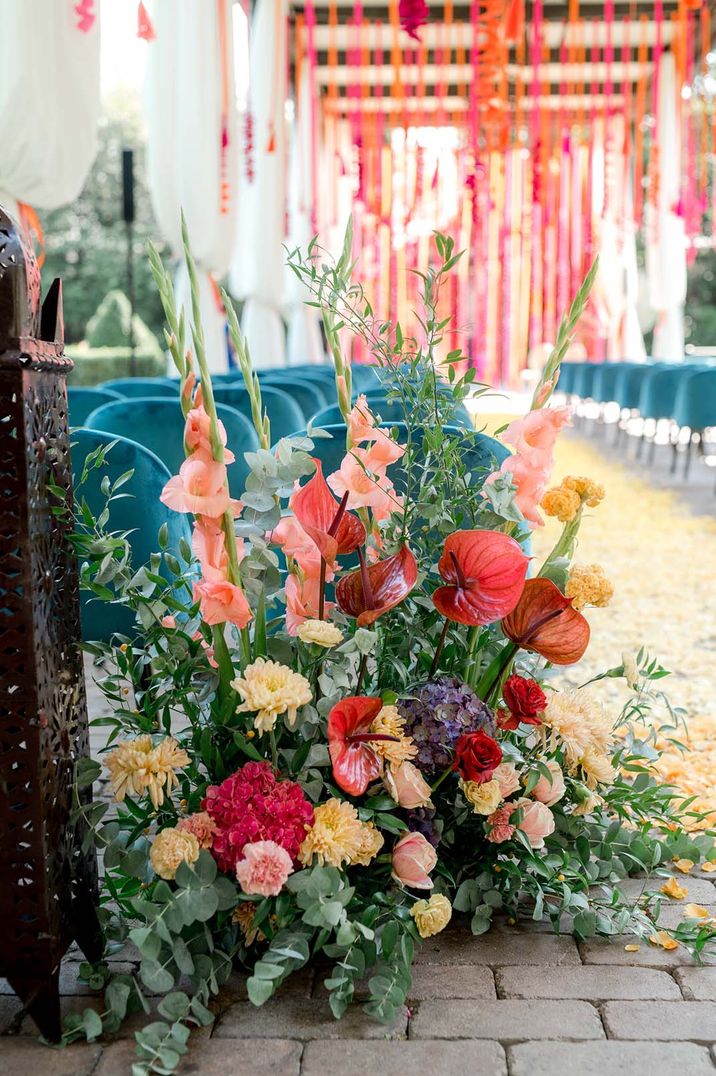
(320, 632)
(561, 503)
(137, 767)
(588, 585)
(170, 848)
(269, 689)
(597, 768)
(483, 798)
(388, 722)
(431, 915)
(371, 843)
(590, 492)
(336, 836)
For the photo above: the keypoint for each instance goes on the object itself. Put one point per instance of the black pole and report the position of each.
(128, 214)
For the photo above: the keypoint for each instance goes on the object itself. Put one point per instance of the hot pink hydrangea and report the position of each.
(251, 806)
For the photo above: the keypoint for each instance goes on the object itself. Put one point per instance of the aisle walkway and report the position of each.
(519, 1001)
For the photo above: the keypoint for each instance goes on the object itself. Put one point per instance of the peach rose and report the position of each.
(413, 859)
(537, 821)
(199, 488)
(222, 602)
(550, 792)
(406, 785)
(507, 778)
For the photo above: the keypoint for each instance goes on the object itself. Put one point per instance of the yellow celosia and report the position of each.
(561, 503)
(388, 722)
(336, 836)
(170, 848)
(320, 632)
(137, 767)
(483, 798)
(588, 585)
(269, 689)
(432, 915)
(590, 492)
(371, 843)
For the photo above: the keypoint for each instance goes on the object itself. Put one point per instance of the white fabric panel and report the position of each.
(257, 271)
(304, 334)
(666, 255)
(49, 102)
(183, 105)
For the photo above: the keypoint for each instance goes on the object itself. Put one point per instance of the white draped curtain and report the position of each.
(49, 103)
(257, 271)
(666, 246)
(190, 110)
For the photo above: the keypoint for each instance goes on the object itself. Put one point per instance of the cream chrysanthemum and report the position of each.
(269, 689)
(588, 585)
(483, 798)
(597, 768)
(320, 632)
(171, 848)
(371, 843)
(137, 766)
(388, 722)
(336, 836)
(582, 726)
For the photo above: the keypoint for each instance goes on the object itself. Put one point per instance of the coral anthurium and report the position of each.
(485, 575)
(374, 589)
(355, 763)
(544, 621)
(325, 520)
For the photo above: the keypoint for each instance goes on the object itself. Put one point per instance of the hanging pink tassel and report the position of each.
(86, 15)
(413, 15)
(145, 30)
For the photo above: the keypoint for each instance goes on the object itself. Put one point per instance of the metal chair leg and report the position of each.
(687, 458)
(674, 439)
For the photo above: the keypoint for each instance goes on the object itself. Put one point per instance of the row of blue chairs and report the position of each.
(682, 395)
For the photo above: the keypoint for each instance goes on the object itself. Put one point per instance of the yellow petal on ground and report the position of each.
(684, 865)
(696, 911)
(709, 866)
(674, 890)
(632, 948)
(663, 939)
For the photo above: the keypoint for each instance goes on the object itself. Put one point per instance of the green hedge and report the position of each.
(93, 365)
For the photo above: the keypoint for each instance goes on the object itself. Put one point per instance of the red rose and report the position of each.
(525, 700)
(477, 756)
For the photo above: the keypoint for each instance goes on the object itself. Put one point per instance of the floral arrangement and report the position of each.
(337, 727)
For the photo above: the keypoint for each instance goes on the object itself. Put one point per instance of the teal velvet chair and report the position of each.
(695, 408)
(389, 412)
(143, 386)
(157, 423)
(81, 401)
(584, 380)
(141, 513)
(308, 394)
(284, 413)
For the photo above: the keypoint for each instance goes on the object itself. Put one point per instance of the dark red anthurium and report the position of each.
(374, 589)
(544, 621)
(485, 574)
(325, 520)
(355, 763)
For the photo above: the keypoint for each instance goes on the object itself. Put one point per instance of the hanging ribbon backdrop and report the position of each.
(537, 144)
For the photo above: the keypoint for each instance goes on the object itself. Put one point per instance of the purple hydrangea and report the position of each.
(422, 820)
(437, 713)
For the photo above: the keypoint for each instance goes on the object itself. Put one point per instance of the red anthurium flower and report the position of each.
(525, 701)
(372, 590)
(325, 520)
(355, 763)
(485, 574)
(544, 621)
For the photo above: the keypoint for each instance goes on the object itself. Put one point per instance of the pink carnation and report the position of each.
(251, 806)
(264, 869)
(201, 825)
(499, 821)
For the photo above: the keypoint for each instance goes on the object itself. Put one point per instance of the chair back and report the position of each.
(695, 404)
(81, 401)
(392, 411)
(131, 387)
(156, 423)
(141, 514)
(308, 394)
(660, 388)
(284, 413)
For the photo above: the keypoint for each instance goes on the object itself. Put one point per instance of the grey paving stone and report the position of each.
(697, 984)
(609, 1059)
(279, 1057)
(590, 983)
(444, 981)
(299, 1019)
(298, 985)
(23, 1056)
(508, 1021)
(665, 1021)
(10, 1008)
(498, 947)
(672, 913)
(400, 1058)
(701, 890)
(612, 951)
